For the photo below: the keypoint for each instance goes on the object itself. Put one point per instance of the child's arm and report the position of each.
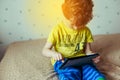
(89, 51)
(48, 52)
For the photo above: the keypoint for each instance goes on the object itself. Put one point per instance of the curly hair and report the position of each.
(80, 11)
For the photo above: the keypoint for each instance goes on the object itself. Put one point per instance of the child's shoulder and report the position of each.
(59, 25)
(86, 28)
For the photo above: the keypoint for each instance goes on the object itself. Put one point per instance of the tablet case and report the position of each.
(78, 61)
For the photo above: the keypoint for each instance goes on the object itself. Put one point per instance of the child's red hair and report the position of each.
(78, 10)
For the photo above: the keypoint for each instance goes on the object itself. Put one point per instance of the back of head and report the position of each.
(79, 12)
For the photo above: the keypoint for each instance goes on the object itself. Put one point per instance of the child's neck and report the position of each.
(69, 25)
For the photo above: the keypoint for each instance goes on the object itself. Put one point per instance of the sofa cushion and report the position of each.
(24, 61)
(109, 47)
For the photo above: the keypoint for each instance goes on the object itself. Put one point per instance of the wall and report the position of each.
(33, 19)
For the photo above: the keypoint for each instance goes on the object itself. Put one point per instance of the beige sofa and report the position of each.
(24, 61)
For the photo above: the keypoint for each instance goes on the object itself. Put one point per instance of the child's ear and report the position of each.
(66, 11)
(62, 6)
(63, 10)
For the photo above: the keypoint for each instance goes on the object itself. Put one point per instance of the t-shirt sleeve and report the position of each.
(52, 35)
(89, 36)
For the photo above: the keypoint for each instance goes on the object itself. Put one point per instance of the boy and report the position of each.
(72, 38)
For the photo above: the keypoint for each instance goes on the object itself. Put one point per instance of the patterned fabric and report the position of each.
(87, 72)
(91, 73)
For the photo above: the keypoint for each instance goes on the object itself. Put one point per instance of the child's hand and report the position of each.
(97, 59)
(57, 56)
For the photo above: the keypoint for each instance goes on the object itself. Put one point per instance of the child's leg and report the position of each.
(91, 73)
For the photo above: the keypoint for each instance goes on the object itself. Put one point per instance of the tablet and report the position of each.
(78, 61)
